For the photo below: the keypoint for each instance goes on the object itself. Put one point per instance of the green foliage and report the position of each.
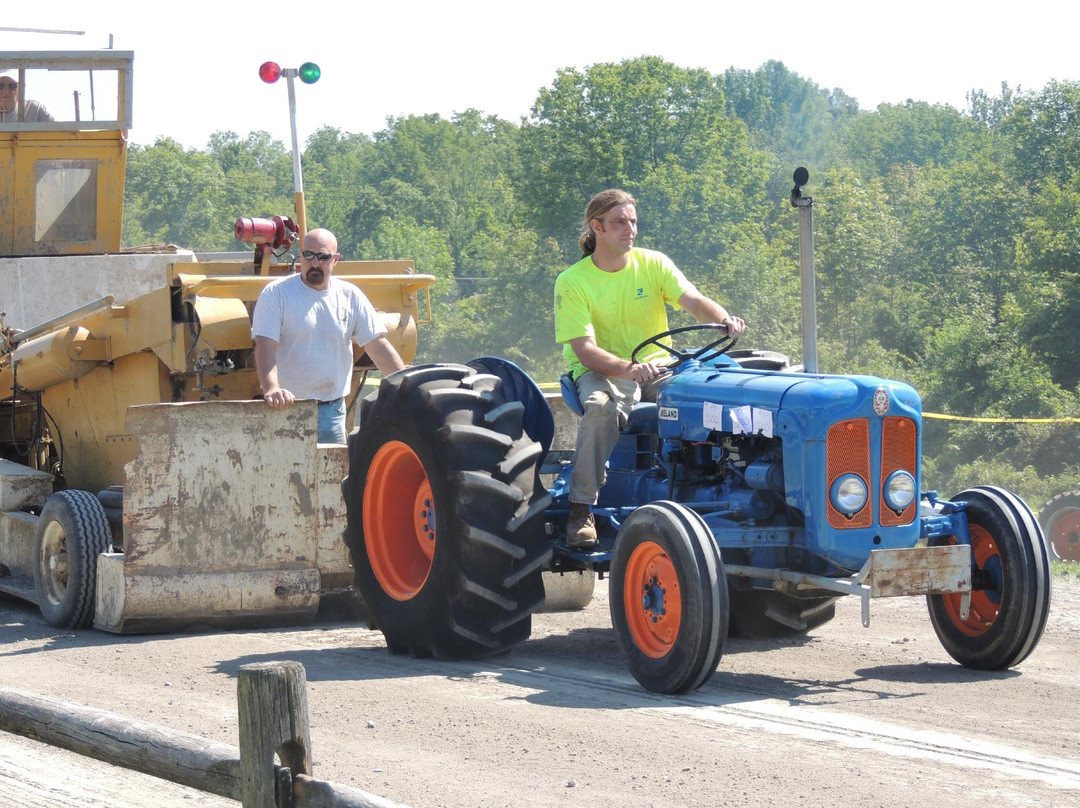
(1066, 570)
(789, 116)
(193, 198)
(913, 133)
(661, 132)
(1035, 489)
(1043, 129)
(947, 241)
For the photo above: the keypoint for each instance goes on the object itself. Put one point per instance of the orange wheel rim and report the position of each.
(985, 603)
(1064, 534)
(399, 520)
(652, 600)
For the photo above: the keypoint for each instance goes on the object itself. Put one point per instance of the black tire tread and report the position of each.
(486, 578)
(1026, 587)
(88, 534)
(703, 632)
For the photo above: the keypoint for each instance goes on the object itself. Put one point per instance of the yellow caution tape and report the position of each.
(973, 419)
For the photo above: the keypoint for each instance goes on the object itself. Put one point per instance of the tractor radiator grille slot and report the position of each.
(848, 452)
(899, 437)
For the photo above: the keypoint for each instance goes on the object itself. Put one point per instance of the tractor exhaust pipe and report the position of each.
(805, 206)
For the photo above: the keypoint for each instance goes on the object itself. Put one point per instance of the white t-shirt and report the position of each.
(314, 331)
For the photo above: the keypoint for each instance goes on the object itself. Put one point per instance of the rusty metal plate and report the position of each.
(919, 571)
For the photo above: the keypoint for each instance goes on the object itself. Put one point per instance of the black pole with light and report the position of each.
(805, 206)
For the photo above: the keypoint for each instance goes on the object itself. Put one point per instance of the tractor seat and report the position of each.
(570, 394)
(643, 415)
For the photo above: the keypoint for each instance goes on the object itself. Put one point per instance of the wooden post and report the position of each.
(162, 752)
(272, 699)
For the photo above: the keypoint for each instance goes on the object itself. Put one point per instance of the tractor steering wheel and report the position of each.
(726, 343)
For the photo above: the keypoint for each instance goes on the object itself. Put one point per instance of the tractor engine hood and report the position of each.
(701, 399)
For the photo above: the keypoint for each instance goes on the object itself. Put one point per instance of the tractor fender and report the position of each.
(539, 423)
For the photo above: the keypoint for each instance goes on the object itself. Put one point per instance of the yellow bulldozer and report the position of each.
(143, 485)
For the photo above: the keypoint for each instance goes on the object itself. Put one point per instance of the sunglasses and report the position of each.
(4, 85)
(311, 255)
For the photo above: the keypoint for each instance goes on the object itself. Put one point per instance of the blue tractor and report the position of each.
(747, 498)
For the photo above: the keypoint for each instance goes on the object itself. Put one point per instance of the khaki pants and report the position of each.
(607, 404)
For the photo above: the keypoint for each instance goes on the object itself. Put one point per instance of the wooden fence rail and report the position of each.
(272, 701)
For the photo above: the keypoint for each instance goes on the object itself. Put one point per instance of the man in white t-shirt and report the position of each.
(304, 326)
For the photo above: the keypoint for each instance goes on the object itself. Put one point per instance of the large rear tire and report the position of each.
(445, 514)
(668, 598)
(1060, 520)
(1010, 600)
(72, 531)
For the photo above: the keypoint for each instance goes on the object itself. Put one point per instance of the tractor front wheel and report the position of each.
(668, 598)
(72, 531)
(445, 514)
(1010, 597)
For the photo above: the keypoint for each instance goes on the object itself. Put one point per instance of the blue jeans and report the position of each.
(332, 422)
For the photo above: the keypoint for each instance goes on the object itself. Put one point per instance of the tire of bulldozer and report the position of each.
(1060, 520)
(756, 614)
(1012, 572)
(112, 500)
(72, 531)
(668, 598)
(568, 591)
(446, 514)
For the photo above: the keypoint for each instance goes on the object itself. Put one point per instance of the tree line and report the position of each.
(947, 241)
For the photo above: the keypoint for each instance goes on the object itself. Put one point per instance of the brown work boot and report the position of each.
(580, 527)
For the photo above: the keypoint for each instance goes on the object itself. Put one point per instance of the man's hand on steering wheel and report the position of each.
(735, 325)
(645, 372)
(725, 342)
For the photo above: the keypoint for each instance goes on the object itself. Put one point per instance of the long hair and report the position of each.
(597, 207)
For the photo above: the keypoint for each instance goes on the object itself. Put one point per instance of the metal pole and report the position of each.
(805, 206)
(298, 176)
(809, 290)
(63, 319)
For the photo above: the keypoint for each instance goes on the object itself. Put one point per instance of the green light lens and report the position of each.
(309, 72)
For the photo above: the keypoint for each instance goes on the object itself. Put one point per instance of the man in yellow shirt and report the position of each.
(606, 304)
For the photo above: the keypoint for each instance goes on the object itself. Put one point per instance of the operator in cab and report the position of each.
(606, 305)
(33, 112)
(304, 326)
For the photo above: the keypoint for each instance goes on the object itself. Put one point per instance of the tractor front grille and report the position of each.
(848, 452)
(899, 444)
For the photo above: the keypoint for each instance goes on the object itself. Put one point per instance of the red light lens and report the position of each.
(269, 72)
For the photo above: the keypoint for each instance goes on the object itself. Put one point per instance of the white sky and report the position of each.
(196, 62)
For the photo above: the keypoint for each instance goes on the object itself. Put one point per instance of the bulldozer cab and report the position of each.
(63, 148)
(142, 486)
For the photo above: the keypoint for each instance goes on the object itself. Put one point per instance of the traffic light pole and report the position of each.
(298, 175)
(308, 73)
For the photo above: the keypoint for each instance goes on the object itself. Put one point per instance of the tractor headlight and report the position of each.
(848, 494)
(899, 490)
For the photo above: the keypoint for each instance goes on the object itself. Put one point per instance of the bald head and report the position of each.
(322, 237)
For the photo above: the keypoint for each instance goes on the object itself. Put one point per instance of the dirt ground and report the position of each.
(875, 717)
